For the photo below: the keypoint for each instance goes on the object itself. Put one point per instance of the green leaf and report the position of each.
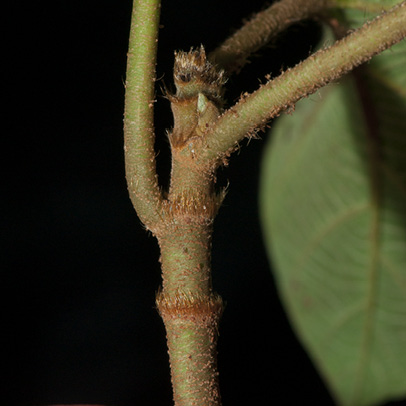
(356, 12)
(333, 207)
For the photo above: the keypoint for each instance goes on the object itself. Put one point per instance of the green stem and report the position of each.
(191, 325)
(233, 53)
(139, 136)
(187, 304)
(256, 109)
(200, 140)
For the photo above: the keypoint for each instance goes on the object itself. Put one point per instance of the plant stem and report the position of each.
(327, 65)
(187, 304)
(233, 53)
(191, 325)
(139, 136)
(200, 140)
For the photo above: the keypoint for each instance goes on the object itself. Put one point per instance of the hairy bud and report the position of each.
(194, 74)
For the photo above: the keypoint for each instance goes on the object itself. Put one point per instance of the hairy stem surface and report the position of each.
(233, 53)
(201, 138)
(187, 304)
(283, 92)
(139, 136)
(189, 307)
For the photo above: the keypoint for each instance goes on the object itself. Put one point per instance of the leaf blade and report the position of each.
(339, 255)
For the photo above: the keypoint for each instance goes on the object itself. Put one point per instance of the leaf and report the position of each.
(356, 12)
(333, 207)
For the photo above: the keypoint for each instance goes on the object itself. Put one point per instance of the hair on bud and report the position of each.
(194, 74)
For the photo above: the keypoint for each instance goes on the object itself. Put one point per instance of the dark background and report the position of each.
(79, 272)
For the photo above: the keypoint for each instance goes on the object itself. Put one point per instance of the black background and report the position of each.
(79, 272)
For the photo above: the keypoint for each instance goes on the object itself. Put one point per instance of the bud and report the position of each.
(194, 74)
